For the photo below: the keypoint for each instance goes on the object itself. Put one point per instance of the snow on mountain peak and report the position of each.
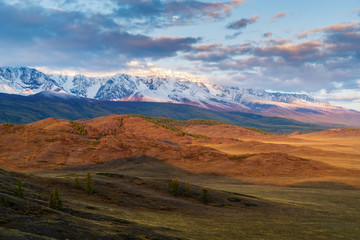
(167, 73)
(153, 85)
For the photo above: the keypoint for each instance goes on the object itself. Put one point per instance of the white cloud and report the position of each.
(338, 84)
(355, 104)
(71, 72)
(348, 98)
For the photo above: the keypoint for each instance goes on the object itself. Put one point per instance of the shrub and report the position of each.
(174, 187)
(77, 182)
(234, 199)
(205, 198)
(55, 201)
(187, 190)
(250, 205)
(19, 191)
(5, 202)
(89, 185)
(111, 175)
(78, 127)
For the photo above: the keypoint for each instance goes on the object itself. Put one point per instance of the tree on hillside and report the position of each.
(205, 198)
(89, 185)
(174, 187)
(55, 202)
(77, 182)
(19, 191)
(187, 190)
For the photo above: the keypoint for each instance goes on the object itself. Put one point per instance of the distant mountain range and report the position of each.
(179, 90)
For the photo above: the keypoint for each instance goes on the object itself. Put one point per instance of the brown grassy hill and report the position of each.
(56, 144)
(223, 131)
(337, 132)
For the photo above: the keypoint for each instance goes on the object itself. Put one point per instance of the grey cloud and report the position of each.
(146, 14)
(242, 23)
(310, 64)
(235, 35)
(345, 42)
(157, 14)
(217, 52)
(267, 34)
(74, 38)
(298, 53)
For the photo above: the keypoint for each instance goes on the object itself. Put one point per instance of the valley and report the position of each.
(199, 146)
(179, 120)
(260, 185)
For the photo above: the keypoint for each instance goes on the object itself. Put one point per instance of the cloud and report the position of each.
(338, 94)
(304, 51)
(216, 51)
(232, 36)
(236, 3)
(280, 41)
(283, 49)
(39, 36)
(331, 56)
(277, 16)
(347, 98)
(340, 27)
(338, 84)
(267, 34)
(207, 47)
(242, 23)
(144, 14)
(357, 10)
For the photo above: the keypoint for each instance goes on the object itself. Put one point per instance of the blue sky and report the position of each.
(298, 46)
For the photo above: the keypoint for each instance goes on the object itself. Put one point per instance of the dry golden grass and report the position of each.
(340, 148)
(229, 150)
(132, 161)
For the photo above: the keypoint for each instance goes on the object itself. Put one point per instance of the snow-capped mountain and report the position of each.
(174, 89)
(25, 81)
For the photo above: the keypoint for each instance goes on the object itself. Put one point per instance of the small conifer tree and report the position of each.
(77, 182)
(205, 198)
(174, 187)
(88, 185)
(187, 190)
(55, 201)
(19, 191)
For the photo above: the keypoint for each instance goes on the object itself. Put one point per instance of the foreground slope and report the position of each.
(112, 211)
(131, 200)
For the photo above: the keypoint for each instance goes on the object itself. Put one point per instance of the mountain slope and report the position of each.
(172, 88)
(27, 109)
(25, 81)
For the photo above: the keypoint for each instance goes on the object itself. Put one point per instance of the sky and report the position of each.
(280, 45)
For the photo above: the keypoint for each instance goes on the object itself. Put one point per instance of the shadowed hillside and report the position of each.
(22, 109)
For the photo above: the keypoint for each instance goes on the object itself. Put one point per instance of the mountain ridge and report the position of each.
(177, 89)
